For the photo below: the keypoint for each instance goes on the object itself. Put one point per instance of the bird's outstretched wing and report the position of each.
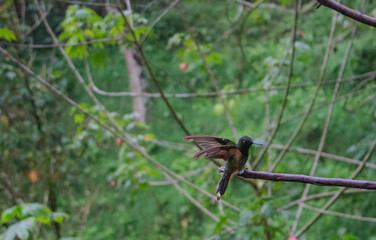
(208, 141)
(214, 147)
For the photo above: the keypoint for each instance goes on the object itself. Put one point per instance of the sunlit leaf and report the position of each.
(7, 34)
(10, 213)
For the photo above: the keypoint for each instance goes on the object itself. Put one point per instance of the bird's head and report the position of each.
(246, 142)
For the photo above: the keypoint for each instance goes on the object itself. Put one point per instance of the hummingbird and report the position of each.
(235, 155)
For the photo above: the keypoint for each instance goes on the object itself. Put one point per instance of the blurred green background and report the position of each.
(86, 183)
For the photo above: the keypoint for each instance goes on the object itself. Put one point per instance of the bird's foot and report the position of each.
(221, 169)
(242, 171)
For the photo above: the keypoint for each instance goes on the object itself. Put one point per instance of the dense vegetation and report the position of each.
(65, 175)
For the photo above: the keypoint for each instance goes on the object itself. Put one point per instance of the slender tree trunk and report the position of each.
(137, 83)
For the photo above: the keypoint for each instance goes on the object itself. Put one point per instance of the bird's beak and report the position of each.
(260, 144)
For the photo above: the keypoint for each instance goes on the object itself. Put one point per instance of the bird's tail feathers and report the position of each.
(222, 186)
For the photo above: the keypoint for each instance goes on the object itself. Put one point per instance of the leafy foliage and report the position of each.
(23, 220)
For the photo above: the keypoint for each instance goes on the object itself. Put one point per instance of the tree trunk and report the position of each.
(137, 84)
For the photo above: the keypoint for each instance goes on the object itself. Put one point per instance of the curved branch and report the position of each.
(351, 13)
(320, 181)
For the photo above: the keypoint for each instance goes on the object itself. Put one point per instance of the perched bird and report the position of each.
(236, 155)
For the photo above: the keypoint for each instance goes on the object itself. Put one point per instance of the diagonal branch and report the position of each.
(326, 126)
(360, 17)
(340, 192)
(212, 78)
(158, 19)
(124, 135)
(284, 103)
(311, 104)
(152, 76)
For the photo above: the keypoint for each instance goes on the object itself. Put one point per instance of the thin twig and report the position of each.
(191, 199)
(323, 154)
(158, 19)
(185, 174)
(339, 193)
(321, 105)
(339, 214)
(152, 76)
(326, 126)
(128, 138)
(61, 44)
(39, 21)
(89, 3)
(311, 104)
(125, 136)
(213, 79)
(284, 103)
(226, 92)
(321, 195)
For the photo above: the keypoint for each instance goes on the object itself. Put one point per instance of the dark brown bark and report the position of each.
(281, 177)
(360, 17)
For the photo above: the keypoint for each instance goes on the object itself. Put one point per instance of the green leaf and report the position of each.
(214, 58)
(285, 2)
(175, 40)
(44, 219)
(10, 213)
(59, 217)
(267, 210)
(34, 209)
(246, 217)
(79, 118)
(7, 34)
(190, 44)
(350, 237)
(19, 230)
(82, 13)
(222, 221)
(98, 58)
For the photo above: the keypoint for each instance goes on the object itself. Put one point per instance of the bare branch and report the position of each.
(156, 21)
(321, 195)
(323, 154)
(212, 78)
(360, 17)
(284, 103)
(327, 122)
(320, 181)
(311, 104)
(86, 3)
(153, 77)
(57, 45)
(124, 135)
(371, 76)
(338, 193)
(339, 214)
